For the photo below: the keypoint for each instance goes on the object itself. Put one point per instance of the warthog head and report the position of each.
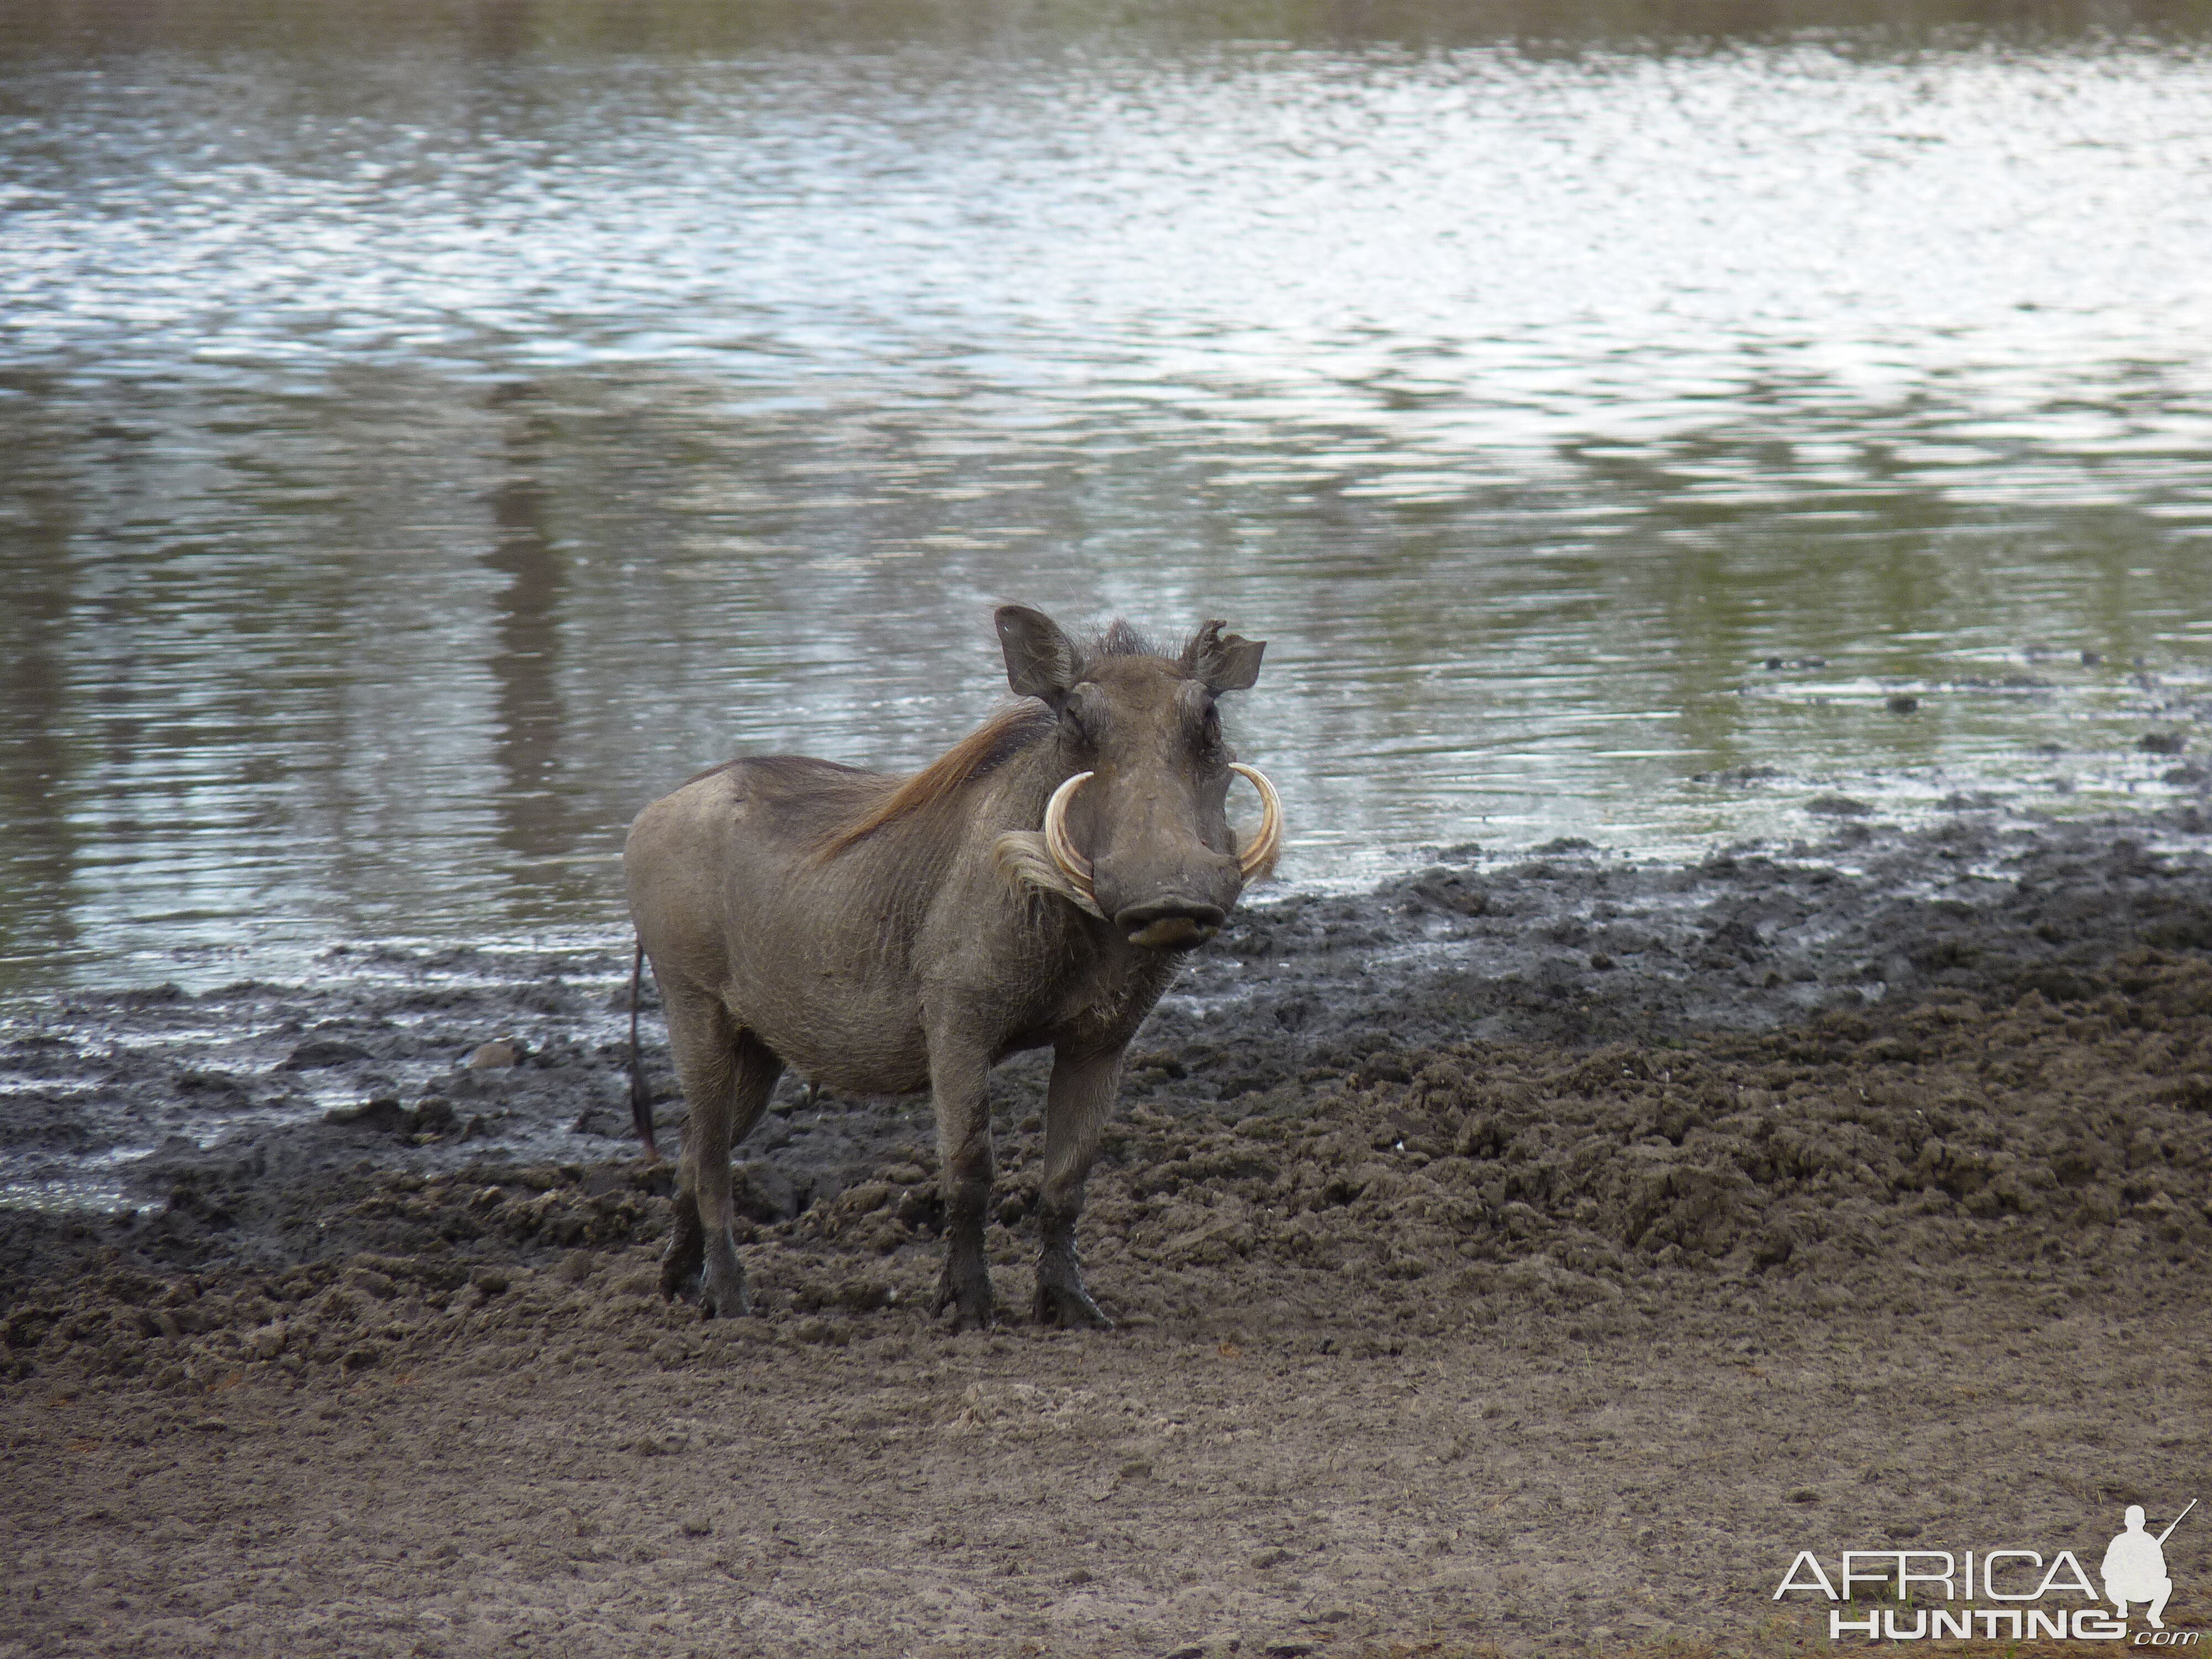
(1138, 832)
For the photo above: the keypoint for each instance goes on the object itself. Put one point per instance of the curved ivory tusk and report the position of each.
(1258, 859)
(1072, 864)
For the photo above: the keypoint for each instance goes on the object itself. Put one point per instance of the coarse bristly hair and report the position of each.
(1116, 639)
(1009, 730)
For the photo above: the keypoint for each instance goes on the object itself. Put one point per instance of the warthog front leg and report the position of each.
(1077, 1103)
(727, 1076)
(960, 1086)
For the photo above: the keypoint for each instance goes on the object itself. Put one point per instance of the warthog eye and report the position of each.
(1202, 720)
(1083, 717)
(1209, 745)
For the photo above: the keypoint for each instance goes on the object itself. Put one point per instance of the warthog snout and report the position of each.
(1171, 924)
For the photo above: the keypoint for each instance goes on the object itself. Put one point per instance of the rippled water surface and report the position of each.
(423, 441)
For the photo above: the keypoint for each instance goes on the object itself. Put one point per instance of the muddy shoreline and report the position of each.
(1486, 1247)
(254, 1108)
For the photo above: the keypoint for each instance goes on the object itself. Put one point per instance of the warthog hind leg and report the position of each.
(1078, 1102)
(727, 1076)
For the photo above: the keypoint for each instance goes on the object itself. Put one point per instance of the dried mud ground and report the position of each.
(1530, 1256)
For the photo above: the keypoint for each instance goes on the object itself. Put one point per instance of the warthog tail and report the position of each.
(641, 1102)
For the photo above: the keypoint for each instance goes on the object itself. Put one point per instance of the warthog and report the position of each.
(1033, 887)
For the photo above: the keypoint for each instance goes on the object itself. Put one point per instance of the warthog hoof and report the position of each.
(681, 1262)
(676, 1285)
(725, 1302)
(969, 1296)
(1062, 1300)
(723, 1295)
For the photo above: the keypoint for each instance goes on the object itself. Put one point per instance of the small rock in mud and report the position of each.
(434, 1115)
(1838, 806)
(385, 1115)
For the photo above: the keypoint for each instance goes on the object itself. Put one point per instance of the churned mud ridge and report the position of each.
(1573, 947)
(1863, 1154)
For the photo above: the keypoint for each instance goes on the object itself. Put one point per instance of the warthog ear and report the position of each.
(1041, 660)
(1222, 663)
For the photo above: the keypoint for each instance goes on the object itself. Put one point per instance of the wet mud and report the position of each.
(1531, 1255)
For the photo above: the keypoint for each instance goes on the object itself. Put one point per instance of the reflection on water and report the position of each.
(428, 443)
(527, 742)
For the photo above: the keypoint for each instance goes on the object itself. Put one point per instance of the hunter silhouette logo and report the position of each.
(2135, 1566)
(2034, 1599)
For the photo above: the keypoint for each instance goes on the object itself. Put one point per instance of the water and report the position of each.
(432, 433)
